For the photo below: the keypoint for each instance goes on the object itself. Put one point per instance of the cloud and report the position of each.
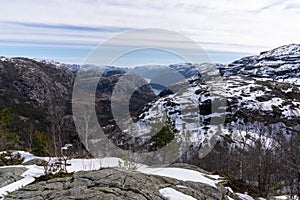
(292, 6)
(221, 25)
(71, 27)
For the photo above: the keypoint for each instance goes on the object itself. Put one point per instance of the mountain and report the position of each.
(280, 64)
(254, 134)
(38, 93)
(244, 122)
(251, 92)
(31, 80)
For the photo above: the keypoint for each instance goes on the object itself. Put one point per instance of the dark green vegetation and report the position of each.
(162, 138)
(9, 158)
(51, 176)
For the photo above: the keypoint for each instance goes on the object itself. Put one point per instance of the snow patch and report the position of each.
(172, 194)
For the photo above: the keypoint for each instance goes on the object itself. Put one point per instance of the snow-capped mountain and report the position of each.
(253, 108)
(255, 89)
(280, 64)
(253, 96)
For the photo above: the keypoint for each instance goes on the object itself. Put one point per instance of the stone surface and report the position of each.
(35, 161)
(10, 175)
(113, 184)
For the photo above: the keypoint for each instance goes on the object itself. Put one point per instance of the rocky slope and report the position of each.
(39, 95)
(280, 64)
(250, 97)
(40, 85)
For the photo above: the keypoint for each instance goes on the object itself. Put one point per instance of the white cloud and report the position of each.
(220, 25)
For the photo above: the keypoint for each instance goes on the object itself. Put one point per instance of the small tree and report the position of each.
(127, 164)
(66, 154)
(8, 139)
(41, 144)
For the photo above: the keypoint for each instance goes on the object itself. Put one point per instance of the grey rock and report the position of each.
(113, 184)
(10, 175)
(35, 161)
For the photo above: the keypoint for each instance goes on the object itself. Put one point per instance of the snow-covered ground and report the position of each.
(285, 197)
(95, 164)
(34, 171)
(181, 174)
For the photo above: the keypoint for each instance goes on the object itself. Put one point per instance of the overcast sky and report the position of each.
(67, 31)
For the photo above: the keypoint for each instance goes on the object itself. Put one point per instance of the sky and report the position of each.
(67, 31)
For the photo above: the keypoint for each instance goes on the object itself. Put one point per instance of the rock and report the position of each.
(113, 184)
(35, 161)
(10, 175)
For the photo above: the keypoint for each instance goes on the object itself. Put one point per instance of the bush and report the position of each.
(127, 164)
(162, 138)
(47, 177)
(10, 158)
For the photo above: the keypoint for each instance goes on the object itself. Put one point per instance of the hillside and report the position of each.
(243, 123)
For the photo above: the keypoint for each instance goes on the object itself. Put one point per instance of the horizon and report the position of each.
(217, 59)
(127, 64)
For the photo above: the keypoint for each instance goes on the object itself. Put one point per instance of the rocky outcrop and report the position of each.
(10, 175)
(116, 184)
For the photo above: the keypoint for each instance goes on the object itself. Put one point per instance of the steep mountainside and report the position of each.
(39, 97)
(257, 93)
(38, 93)
(41, 86)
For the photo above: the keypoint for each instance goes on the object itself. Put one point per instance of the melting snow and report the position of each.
(95, 164)
(172, 194)
(180, 174)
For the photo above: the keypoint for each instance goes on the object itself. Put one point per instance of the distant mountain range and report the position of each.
(257, 89)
